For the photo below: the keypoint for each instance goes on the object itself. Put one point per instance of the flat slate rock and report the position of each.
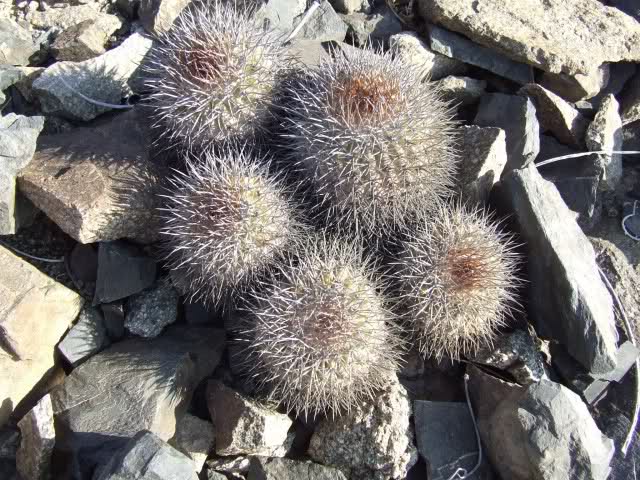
(38, 438)
(605, 134)
(411, 49)
(87, 336)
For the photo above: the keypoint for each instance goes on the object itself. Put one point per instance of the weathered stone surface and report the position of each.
(281, 14)
(86, 39)
(107, 78)
(87, 337)
(576, 87)
(462, 90)
(157, 16)
(311, 53)
(517, 117)
(412, 50)
(64, 16)
(483, 155)
(263, 468)
(136, 384)
(351, 6)
(374, 29)
(9, 75)
(96, 183)
(25, 83)
(557, 116)
(374, 441)
(456, 46)
(605, 133)
(150, 311)
(195, 438)
(568, 301)
(38, 438)
(147, 457)
(234, 467)
(325, 25)
(16, 45)
(29, 302)
(245, 427)
(554, 35)
(631, 101)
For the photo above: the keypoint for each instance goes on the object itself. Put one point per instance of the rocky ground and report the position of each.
(107, 372)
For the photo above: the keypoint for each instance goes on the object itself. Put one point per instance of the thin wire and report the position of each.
(33, 257)
(91, 100)
(314, 6)
(586, 154)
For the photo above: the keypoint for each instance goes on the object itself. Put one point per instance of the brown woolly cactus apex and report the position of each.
(212, 75)
(225, 221)
(319, 337)
(375, 142)
(457, 281)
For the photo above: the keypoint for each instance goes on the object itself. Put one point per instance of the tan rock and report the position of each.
(157, 16)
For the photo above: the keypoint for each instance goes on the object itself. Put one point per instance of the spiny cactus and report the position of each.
(456, 280)
(226, 220)
(318, 337)
(374, 140)
(211, 76)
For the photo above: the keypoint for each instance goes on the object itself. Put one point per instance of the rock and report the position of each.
(55, 20)
(462, 90)
(311, 53)
(96, 183)
(29, 302)
(324, 25)
(18, 137)
(16, 45)
(123, 270)
(351, 6)
(148, 312)
(38, 439)
(630, 101)
(517, 117)
(409, 47)
(25, 84)
(263, 468)
(577, 87)
(113, 319)
(195, 438)
(211, 475)
(157, 16)
(107, 78)
(567, 300)
(373, 441)
(605, 133)
(136, 384)
(86, 39)
(233, 467)
(281, 14)
(483, 155)
(147, 457)
(87, 337)
(554, 35)
(9, 75)
(557, 116)
(245, 427)
(456, 46)
(372, 29)
(128, 8)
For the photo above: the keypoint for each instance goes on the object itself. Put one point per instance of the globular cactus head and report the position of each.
(319, 337)
(212, 75)
(225, 221)
(375, 142)
(456, 276)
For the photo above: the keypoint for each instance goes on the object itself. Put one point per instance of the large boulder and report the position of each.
(16, 45)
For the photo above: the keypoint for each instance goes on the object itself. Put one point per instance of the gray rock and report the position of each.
(16, 45)
(517, 117)
(311, 53)
(64, 16)
(147, 457)
(245, 427)
(374, 29)
(86, 39)
(557, 116)
(233, 467)
(97, 183)
(619, 76)
(462, 90)
(128, 8)
(113, 319)
(9, 75)
(263, 468)
(281, 14)
(195, 438)
(211, 475)
(351, 6)
(38, 439)
(150, 311)
(483, 155)
(157, 16)
(324, 25)
(9, 443)
(107, 78)
(462, 49)
(87, 337)
(630, 101)
(568, 301)
(605, 133)
(411, 49)
(577, 87)
(554, 35)
(136, 384)
(373, 441)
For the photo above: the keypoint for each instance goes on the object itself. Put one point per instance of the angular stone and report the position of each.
(630, 101)
(97, 183)
(113, 319)
(16, 45)
(483, 155)
(374, 441)
(29, 302)
(38, 439)
(263, 468)
(281, 14)
(462, 90)
(195, 438)
(557, 116)
(576, 87)
(147, 457)
(136, 384)
(243, 426)
(311, 53)
(234, 467)
(107, 78)
(25, 84)
(9, 75)
(456, 46)
(157, 16)
(554, 35)
(517, 117)
(605, 133)
(411, 49)
(351, 6)
(568, 301)
(374, 29)
(86, 39)
(150, 311)
(87, 337)
(64, 16)
(324, 25)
